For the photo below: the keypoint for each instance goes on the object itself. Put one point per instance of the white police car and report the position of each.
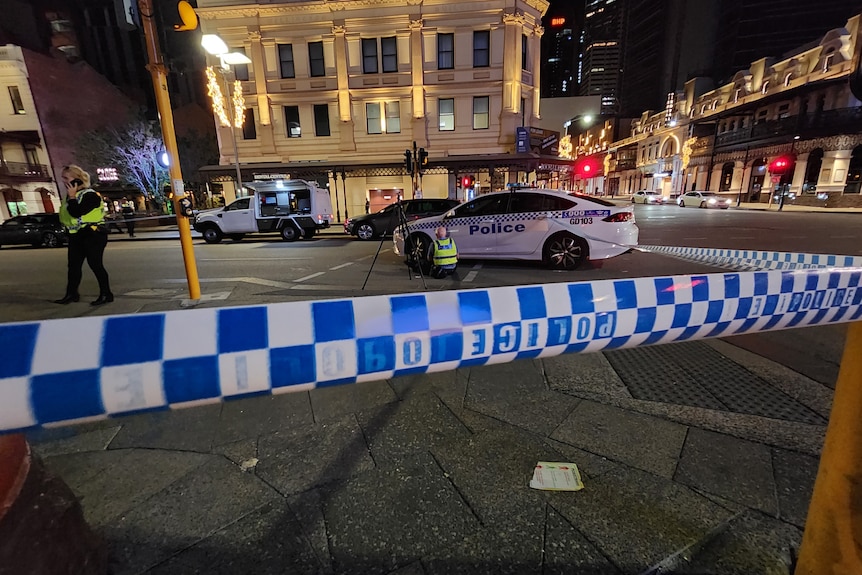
(560, 229)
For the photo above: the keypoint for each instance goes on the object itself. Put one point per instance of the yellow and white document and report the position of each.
(554, 476)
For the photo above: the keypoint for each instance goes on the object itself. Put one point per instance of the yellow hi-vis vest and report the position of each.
(93, 217)
(445, 252)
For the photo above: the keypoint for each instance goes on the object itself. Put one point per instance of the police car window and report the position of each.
(520, 203)
(484, 206)
(600, 202)
(558, 204)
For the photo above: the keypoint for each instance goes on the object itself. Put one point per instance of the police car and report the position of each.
(560, 229)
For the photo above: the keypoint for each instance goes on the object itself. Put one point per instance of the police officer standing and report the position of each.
(84, 216)
(443, 254)
(129, 216)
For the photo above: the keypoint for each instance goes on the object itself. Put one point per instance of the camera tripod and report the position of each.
(412, 249)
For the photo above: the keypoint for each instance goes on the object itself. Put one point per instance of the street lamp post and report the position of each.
(214, 45)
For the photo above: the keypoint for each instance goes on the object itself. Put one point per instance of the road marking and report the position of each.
(743, 238)
(364, 258)
(314, 275)
(258, 281)
(341, 266)
(217, 296)
(247, 259)
(473, 273)
(693, 238)
(841, 237)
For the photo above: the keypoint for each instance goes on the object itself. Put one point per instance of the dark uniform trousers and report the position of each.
(88, 245)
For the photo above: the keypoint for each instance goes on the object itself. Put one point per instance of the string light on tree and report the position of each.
(238, 105)
(214, 92)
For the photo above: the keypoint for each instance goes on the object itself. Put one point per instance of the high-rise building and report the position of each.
(560, 49)
(601, 54)
(752, 29)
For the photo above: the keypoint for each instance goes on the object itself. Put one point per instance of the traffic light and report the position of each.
(423, 158)
(587, 168)
(467, 181)
(408, 161)
(780, 165)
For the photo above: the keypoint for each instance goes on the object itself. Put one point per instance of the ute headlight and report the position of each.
(711, 201)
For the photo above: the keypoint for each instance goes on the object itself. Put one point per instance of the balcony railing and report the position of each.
(22, 169)
(840, 121)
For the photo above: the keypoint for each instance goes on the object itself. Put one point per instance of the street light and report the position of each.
(214, 45)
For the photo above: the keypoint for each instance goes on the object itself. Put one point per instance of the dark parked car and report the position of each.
(34, 229)
(384, 222)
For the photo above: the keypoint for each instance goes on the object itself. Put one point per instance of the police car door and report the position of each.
(525, 227)
(473, 225)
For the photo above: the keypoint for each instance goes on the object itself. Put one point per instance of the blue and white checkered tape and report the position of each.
(64, 371)
(754, 259)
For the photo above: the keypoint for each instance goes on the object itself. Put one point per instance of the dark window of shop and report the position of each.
(240, 71)
(389, 52)
(291, 120)
(445, 51)
(369, 55)
(316, 63)
(285, 58)
(812, 171)
(481, 48)
(321, 120)
(249, 131)
(726, 177)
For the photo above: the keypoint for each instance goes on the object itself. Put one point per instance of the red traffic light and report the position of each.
(467, 181)
(588, 168)
(780, 165)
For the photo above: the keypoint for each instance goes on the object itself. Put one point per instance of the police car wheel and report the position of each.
(565, 252)
(417, 250)
(212, 235)
(365, 231)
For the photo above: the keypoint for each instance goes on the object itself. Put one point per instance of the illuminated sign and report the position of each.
(556, 22)
(107, 174)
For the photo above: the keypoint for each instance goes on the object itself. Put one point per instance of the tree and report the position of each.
(197, 149)
(133, 149)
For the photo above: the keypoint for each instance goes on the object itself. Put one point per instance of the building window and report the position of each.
(446, 114)
(393, 117)
(31, 155)
(523, 112)
(524, 52)
(481, 112)
(17, 104)
(827, 62)
(285, 57)
(369, 55)
(321, 120)
(445, 51)
(240, 71)
(765, 87)
(788, 78)
(372, 118)
(481, 48)
(291, 120)
(249, 132)
(315, 59)
(783, 111)
(389, 52)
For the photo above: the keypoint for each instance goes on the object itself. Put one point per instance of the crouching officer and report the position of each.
(443, 254)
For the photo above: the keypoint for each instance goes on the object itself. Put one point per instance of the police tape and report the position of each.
(65, 371)
(755, 259)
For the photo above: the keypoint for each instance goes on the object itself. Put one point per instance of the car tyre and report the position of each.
(565, 251)
(289, 233)
(702, 205)
(50, 240)
(681, 204)
(417, 248)
(212, 235)
(365, 231)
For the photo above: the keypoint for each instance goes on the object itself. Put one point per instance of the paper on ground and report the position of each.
(554, 476)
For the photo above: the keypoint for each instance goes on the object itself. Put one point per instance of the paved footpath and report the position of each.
(697, 458)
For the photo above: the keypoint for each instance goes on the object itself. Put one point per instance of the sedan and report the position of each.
(648, 197)
(552, 226)
(703, 200)
(370, 226)
(33, 229)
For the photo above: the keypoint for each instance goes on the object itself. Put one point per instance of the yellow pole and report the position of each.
(832, 541)
(163, 101)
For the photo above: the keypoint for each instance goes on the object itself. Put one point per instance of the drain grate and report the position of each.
(692, 373)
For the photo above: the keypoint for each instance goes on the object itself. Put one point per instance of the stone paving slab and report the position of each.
(794, 479)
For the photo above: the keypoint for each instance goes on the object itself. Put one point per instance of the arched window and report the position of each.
(812, 171)
(787, 78)
(726, 177)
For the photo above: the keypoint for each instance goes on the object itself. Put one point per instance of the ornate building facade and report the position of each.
(338, 90)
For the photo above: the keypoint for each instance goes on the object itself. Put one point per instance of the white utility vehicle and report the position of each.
(292, 208)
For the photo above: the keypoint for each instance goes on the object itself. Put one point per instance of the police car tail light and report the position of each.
(619, 217)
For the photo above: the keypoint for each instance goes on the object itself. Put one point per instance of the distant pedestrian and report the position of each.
(367, 207)
(443, 254)
(129, 216)
(83, 214)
